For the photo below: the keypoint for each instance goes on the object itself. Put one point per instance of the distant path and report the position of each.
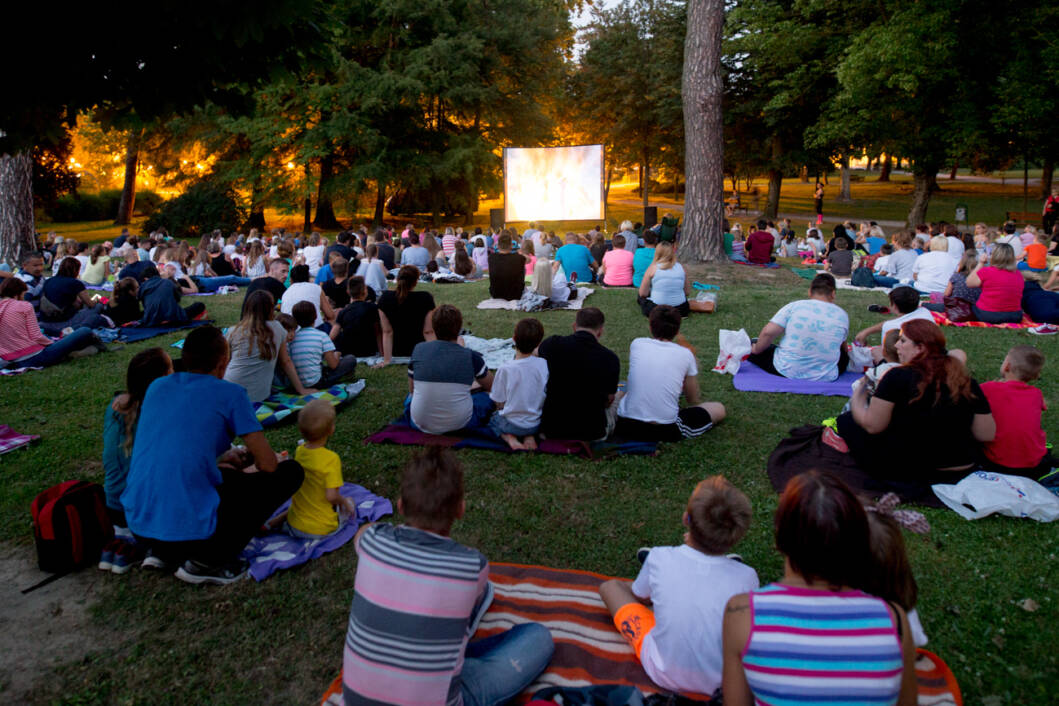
(666, 205)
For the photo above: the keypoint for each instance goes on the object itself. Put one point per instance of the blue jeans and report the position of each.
(212, 284)
(81, 338)
(499, 667)
(479, 423)
(997, 317)
(881, 281)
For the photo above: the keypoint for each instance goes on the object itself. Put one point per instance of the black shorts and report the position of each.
(691, 422)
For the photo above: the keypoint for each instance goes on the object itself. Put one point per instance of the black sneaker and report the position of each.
(195, 572)
(641, 554)
(878, 309)
(153, 561)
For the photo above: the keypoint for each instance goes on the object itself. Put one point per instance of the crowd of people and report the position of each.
(696, 615)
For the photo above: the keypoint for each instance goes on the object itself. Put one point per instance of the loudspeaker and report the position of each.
(496, 218)
(650, 216)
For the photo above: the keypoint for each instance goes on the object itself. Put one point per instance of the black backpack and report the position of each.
(862, 277)
(71, 526)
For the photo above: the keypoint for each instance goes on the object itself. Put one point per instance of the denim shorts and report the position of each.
(501, 425)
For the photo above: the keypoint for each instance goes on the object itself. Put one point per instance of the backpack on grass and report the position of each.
(862, 277)
(70, 525)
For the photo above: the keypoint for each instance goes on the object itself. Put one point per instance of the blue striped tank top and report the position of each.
(810, 646)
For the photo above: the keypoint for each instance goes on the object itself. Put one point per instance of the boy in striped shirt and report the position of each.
(417, 600)
(313, 352)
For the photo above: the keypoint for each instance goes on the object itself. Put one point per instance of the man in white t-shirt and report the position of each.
(302, 290)
(678, 638)
(660, 371)
(932, 270)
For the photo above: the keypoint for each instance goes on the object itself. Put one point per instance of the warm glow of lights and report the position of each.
(290, 165)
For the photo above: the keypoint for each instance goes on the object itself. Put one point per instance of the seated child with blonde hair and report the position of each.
(678, 638)
(312, 509)
(1019, 445)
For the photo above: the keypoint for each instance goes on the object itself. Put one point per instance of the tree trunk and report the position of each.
(887, 167)
(257, 207)
(16, 207)
(844, 194)
(325, 211)
(1047, 169)
(772, 203)
(955, 167)
(380, 204)
(128, 190)
(606, 185)
(703, 134)
(803, 174)
(924, 178)
(645, 183)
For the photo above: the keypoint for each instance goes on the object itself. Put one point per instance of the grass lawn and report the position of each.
(157, 640)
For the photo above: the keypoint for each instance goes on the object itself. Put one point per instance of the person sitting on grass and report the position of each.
(312, 509)
(671, 614)
(448, 384)
(891, 577)
(313, 353)
(814, 337)
(776, 637)
(302, 290)
(419, 594)
(617, 267)
(665, 282)
(119, 432)
(660, 371)
(1001, 299)
(335, 288)
(273, 282)
(258, 346)
(357, 330)
(23, 345)
(124, 304)
(507, 271)
(904, 303)
(405, 316)
(192, 498)
(518, 389)
(65, 301)
(840, 260)
(161, 302)
(1019, 446)
(644, 257)
(576, 260)
(759, 245)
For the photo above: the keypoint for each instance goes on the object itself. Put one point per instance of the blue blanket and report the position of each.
(130, 334)
(278, 550)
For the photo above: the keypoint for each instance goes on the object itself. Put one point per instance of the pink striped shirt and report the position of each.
(19, 332)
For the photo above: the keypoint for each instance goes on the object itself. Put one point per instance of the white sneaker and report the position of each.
(1044, 330)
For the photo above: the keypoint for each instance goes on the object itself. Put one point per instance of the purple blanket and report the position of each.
(278, 550)
(751, 378)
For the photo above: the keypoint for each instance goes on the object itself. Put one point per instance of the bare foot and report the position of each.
(513, 442)
(530, 443)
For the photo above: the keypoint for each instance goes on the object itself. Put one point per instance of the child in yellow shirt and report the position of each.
(312, 509)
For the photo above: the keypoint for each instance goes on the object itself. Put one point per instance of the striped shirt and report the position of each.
(307, 352)
(19, 329)
(414, 597)
(809, 646)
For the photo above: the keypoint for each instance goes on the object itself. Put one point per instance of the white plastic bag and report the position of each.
(859, 358)
(734, 345)
(983, 493)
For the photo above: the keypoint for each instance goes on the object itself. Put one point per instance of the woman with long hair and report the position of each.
(373, 270)
(97, 269)
(462, 263)
(404, 315)
(119, 425)
(254, 264)
(777, 638)
(257, 343)
(665, 282)
(930, 392)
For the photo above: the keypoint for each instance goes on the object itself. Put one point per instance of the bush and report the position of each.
(203, 207)
(147, 202)
(85, 207)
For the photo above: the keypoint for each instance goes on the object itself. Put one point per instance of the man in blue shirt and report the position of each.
(576, 259)
(191, 497)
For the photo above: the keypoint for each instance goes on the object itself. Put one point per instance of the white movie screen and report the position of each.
(553, 183)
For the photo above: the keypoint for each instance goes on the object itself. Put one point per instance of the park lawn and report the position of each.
(161, 641)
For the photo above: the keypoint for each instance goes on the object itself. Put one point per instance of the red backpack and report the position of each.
(70, 525)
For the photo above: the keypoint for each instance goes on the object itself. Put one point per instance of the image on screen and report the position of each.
(553, 183)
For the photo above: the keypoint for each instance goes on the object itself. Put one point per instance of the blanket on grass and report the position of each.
(771, 265)
(11, 439)
(109, 287)
(401, 433)
(278, 550)
(18, 371)
(751, 378)
(804, 450)
(131, 333)
(514, 304)
(941, 320)
(280, 405)
(589, 650)
(496, 352)
(841, 283)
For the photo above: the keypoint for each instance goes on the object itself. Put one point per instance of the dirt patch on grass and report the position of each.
(44, 628)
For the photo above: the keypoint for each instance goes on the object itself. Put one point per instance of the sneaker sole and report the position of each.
(155, 563)
(106, 566)
(194, 579)
(119, 570)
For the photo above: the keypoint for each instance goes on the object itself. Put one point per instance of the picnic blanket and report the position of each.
(841, 283)
(278, 550)
(11, 439)
(590, 651)
(771, 265)
(496, 352)
(18, 371)
(131, 333)
(941, 320)
(751, 378)
(280, 405)
(513, 304)
(401, 433)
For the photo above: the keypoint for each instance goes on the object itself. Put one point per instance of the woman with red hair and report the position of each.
(930, 397)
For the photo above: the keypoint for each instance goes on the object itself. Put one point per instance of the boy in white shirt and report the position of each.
(518, 389)
(678, 638)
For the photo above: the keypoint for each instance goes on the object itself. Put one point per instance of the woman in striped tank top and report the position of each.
(813, 638)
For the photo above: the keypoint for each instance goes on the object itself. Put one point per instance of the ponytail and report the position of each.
(407, 278)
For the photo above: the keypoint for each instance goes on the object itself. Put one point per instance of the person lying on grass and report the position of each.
(518, 389)
(671, 614)
(814, 337)
(417, 599)
(448, 385)
(191, 498)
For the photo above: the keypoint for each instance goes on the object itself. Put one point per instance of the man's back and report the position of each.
(442, 373)
(759, 247)
(582, 374)
(507, 275)
(575, 258)
(160, 299)
(413, 601)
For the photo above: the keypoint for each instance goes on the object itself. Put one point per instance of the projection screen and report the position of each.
(553, 183)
